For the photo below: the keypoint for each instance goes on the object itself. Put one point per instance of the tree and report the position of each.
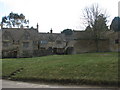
(115, 24)
(67, 32)
(14, 20)
(96, 21)
(88, 28)
(68, 35)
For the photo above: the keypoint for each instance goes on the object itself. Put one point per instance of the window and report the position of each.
(5, 44)
(13, 41)
(27, 36)
(59, 42)
(25, 53)
(6, 37)
(117, 41)
(26, 44)
(43, 42)
(42, 48)
(35, 42)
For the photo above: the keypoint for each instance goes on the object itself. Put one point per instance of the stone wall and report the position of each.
(114, 47)
(87, 45)
(114, 42)
(103, 45)
(42, 52)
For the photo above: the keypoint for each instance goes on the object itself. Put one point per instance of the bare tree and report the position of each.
(91, 14)
(96, 20)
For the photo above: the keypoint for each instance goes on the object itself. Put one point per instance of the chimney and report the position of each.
(51, 31)
(1, 25)
(37, 26)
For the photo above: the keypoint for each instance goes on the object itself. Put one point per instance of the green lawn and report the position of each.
(87, 68)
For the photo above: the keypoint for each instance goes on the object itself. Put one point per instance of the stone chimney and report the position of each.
(51, 31)
(1, 25)
(37, 26)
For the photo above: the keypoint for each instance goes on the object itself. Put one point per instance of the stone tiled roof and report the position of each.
(51, 36)
(17, 33)
(90, 35)
(112, 34)
(82, 35)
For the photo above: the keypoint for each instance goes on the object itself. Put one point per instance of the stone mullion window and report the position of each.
(117, 41)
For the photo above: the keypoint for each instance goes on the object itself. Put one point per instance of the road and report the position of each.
(17, 84)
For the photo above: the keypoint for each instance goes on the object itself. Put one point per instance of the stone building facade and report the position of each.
(19, 42)
(23, 42)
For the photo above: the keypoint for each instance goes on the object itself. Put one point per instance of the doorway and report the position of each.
(14, 54)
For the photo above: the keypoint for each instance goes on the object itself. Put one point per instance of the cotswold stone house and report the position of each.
(23, 42)
(19, 42)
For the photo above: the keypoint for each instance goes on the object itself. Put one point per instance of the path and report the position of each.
(17, 84)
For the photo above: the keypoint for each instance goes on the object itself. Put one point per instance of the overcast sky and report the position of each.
(56, 14)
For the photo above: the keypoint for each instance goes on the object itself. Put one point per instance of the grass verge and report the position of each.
(88, 68)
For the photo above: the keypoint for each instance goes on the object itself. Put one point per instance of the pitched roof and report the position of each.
(82, 35)
(90, 34)
(51, 36)
(17, 33)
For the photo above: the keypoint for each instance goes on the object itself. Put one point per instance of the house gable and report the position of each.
(7, 36)
(25, 36)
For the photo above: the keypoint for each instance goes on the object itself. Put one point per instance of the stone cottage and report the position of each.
(28, 42)
(17, 42)
(23, 42)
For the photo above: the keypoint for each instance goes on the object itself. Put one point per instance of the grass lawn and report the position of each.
(87, 68)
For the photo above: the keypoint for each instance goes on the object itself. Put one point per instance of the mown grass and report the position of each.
(87, 68)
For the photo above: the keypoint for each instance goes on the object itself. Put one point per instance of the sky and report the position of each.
(56, 14)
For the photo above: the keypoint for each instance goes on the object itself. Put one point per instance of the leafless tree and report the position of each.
(96, 19)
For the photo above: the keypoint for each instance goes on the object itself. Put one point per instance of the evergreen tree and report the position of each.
(14, 20)
(115, 25)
